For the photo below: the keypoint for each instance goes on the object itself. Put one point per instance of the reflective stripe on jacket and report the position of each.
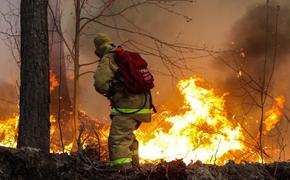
(121, 161)
(129, 111)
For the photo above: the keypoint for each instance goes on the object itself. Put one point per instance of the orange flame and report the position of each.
(8, 132)
(273, 115)
(201, 132)
(53, 82)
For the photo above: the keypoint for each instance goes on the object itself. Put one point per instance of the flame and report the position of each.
(273, 115)
(202, 132)
(55, 146)
(53, 82)
(8, 132)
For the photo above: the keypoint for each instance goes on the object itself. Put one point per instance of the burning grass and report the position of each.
(203, 132)
(200, 130)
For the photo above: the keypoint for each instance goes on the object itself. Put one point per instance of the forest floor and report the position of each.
(30, 164)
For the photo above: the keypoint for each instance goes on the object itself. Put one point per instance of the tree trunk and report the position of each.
(34, 122)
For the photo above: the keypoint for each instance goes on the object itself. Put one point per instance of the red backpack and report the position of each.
(133, 71)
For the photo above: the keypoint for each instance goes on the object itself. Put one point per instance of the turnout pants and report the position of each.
(123, 145)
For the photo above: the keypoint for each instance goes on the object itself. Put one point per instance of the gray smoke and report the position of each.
(258, 40)
(263, 37)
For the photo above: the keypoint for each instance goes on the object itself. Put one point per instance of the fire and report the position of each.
(53, 82)
(273, 115)
(8, 132)
(201, 132)
(9, 135)
(55, 146)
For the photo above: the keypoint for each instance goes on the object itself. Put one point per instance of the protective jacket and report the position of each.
(106, 83)
(128, 110)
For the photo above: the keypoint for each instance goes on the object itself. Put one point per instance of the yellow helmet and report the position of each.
(100, 39)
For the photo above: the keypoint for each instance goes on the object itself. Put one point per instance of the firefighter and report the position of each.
(128, 110)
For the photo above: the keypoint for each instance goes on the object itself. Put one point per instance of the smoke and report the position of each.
(255, 38)
(264, 41)
(147, 19)
(252, 33)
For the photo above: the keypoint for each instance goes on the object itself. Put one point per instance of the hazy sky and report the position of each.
(212, 22)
